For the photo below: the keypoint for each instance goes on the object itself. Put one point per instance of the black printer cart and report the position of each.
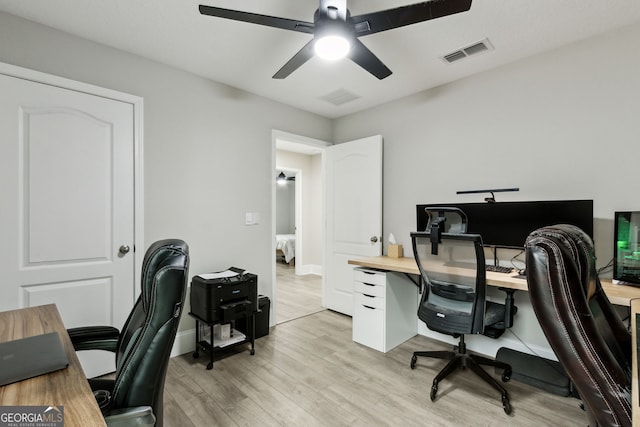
(223, 301)
(211, 348)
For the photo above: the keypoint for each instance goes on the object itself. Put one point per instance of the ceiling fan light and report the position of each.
(332, 47)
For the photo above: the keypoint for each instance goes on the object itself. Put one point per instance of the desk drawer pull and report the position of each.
(372, 277)
(369, 296)
(368, 289)
(369, 307)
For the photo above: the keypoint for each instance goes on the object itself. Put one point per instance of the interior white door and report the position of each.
(67, 197)
(354, 214)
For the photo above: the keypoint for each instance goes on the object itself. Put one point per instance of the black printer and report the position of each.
(224, 296)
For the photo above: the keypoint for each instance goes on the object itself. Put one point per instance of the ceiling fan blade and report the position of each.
(384, 20)
(294, 63)
(254, 18)
(362, 56)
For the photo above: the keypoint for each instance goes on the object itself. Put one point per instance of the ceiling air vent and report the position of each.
(339, 97)
(454, 56)
(475, 48)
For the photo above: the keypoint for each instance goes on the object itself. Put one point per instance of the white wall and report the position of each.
(207, 146)
(286, 208)
(315, 206)
(561, 125)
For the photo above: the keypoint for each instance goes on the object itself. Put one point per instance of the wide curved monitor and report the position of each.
(507, 224)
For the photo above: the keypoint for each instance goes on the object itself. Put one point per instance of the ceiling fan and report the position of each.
(332, 22)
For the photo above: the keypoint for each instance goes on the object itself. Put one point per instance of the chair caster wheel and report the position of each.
(506, 405)
(209, 366)
(195, 355)
(506, 376)
(414, 359)
(434, 391)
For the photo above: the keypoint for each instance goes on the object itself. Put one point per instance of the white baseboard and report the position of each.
(185, 342)
(311, 269)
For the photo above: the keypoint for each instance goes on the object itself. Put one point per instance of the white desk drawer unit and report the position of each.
(369, 289)
(385, 307)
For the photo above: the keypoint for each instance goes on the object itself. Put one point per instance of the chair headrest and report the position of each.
(162, 254)
(569, 245)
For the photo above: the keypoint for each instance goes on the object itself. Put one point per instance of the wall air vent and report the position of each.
(473, 49)
(339, 97)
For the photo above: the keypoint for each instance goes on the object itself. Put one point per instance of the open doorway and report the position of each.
(298, 228)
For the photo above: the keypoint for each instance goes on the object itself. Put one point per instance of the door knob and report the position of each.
(373, 239)
(124, 249)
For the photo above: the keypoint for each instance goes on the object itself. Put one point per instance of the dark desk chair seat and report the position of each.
(143, 347)
(452, 267)
(591, 342)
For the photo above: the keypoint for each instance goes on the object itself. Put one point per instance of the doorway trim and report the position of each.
(137, 103)
(289, 142)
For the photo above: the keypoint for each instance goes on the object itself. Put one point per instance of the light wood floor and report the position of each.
(308, 372)
(297, 296)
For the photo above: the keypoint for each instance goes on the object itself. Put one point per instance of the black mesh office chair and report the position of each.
(452, 267)
(143, 347)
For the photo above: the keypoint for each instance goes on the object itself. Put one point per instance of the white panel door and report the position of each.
(354, 214)
(67, 200)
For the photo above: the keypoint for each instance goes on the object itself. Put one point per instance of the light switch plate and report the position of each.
(251, 218)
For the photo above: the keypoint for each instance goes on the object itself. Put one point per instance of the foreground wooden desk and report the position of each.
(617, 294)
(67, 387)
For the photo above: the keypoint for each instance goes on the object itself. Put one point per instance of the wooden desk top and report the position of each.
(617, 294)
(67, 387)
(635, 404)
(408, 265)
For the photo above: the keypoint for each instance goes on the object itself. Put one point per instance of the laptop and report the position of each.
(30, 357)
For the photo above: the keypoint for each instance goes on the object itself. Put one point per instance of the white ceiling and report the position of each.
(247, 55)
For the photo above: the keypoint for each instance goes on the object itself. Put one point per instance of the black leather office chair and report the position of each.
(452, 267)
(143, 347)
(591, 342)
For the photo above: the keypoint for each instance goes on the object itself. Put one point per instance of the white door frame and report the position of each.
(137, 103)
(277, 135)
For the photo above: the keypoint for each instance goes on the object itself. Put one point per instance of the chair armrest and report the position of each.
(94, 338)
(139, 416)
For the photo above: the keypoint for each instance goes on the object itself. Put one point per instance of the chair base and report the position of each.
(459, 358)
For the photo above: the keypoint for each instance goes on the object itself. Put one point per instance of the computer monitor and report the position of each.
(507, 224)
(626, 250)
